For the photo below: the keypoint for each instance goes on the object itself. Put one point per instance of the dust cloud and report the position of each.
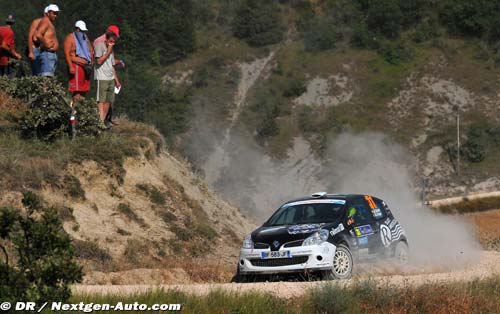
(372, 164)
(367, 163)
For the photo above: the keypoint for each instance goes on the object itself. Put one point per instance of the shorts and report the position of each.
(105, 91)
(35, 64)
(5, 70)
(48, 62)
(79, 82)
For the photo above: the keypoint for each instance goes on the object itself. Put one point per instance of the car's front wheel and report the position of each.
(342, 264)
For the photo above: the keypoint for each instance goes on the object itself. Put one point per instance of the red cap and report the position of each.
(114, 29)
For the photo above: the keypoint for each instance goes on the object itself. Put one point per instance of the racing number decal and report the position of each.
(370, 201)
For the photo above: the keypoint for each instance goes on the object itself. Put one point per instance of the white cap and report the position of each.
(81, 25)
(46, 10)
(52, 7)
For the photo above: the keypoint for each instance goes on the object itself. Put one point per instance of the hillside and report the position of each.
(269, 114)
(134, 211)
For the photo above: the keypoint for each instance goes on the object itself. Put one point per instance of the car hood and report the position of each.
(275, 236)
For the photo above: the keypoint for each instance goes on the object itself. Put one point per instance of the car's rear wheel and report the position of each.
(342, 264)
(401, 253)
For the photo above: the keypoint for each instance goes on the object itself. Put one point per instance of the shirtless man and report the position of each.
(33, 52)
(79, 54)
(45, 34)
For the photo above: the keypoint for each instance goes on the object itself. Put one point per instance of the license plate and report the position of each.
(276, 254)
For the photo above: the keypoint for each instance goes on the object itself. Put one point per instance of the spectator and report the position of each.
(7, 47)
(105, 73)
(78, 52)
(33, 52)
(45, 34)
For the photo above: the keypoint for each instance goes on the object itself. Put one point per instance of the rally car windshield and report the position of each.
(307, 213)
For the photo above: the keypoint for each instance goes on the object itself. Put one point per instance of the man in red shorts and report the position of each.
(78, 52)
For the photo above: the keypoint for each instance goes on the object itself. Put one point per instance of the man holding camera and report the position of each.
(79, 52)
(105, 73)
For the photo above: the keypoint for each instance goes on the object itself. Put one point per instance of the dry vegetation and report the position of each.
(363, 297)
(488, 230)
(471, 205)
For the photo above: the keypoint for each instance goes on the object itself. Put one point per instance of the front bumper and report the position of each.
(303, 258)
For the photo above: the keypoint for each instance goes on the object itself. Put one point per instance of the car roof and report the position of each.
(346, 197)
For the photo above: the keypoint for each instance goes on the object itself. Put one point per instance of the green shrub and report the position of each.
(295, 85)
(155, 196)
(306, 120)
(74, 187)
(91, 251)
(383, 16)
(37, 258)
(122, 232)
(175, 246)
(396, 52)
(362, 37)
(134, 250)
(130, 214)
(258, 22)
(476, 147)
(87, 118)
(470, 18)
(320, 35)
(183, 234)
(205, 231)
(167, 216)
(426, 30)
(268, 110)
(48, 114)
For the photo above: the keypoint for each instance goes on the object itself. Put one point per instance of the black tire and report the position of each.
(239, 278)
(342, 264)
(401, 253)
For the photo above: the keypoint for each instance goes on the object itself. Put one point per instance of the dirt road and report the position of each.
(487, 265)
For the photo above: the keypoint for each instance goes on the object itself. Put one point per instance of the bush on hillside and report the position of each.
(383, 16)
(396, 52)
(320, 35)
(258, 22)
(476, 147)
(471, 18)
(36, 256)
(426, 30)
(48, 112)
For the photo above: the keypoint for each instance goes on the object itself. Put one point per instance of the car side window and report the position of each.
(363, 214)
(381, 212)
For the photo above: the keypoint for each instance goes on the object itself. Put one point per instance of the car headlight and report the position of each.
(316, 238)
(247, 242)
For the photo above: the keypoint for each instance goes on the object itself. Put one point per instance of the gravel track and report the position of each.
(487, 266)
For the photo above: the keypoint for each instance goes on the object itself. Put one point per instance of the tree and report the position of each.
(36, 254)
(258, 23)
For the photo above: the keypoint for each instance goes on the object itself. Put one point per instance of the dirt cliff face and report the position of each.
(156, 215)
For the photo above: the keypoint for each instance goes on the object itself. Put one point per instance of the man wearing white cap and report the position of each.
(78, 52)
(45, 34)
(33, 52)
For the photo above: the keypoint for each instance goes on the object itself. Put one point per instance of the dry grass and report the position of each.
(28, 164)
(471, 205)
(488, 228)
(364, 297)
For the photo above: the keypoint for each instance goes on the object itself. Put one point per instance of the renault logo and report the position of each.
(276, 244)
